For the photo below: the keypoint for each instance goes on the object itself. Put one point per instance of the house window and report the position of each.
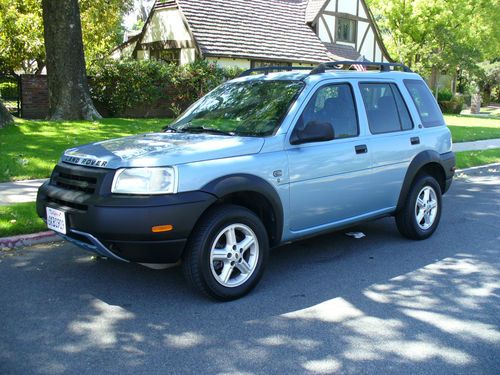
(346, 30)
(264, 63)
(171, 56)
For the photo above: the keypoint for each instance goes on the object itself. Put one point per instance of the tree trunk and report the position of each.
(433, 81)
(5, 116)
(69, 97)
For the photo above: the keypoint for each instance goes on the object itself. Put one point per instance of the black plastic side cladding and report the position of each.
(239, 183)
(446, 161)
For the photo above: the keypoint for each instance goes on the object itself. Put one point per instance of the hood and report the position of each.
(161, 149)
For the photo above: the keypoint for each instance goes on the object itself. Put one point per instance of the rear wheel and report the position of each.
(227, 252)
(420, 216)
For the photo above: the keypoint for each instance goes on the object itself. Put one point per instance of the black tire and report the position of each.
(196, 262)
(406, 219)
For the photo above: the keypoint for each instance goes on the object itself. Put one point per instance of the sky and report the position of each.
(130, 19)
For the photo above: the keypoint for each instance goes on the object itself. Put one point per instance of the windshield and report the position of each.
(250, 108)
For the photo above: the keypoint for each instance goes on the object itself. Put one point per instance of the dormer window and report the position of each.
(346, 30)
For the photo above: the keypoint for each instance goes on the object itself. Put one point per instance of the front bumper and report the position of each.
(120, 226)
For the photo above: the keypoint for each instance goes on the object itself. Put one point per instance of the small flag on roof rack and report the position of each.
(360, 67)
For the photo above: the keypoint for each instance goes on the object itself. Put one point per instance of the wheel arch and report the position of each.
(253, 193)
(429, 162)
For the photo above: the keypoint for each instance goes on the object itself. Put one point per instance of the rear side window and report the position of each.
(429, 111)
(385, 108)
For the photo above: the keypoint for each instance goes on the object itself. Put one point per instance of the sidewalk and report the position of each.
(19, 191)
(25, 191)
(477, 145)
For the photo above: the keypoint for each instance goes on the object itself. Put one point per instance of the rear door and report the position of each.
(329, 180)
(393, 143)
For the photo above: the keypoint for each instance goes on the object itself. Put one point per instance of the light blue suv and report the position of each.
(262, 160)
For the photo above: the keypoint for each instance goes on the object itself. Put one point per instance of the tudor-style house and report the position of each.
(253, 33)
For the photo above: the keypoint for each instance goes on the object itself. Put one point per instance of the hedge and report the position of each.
(453, 106)
(125, 84)
(8, 90)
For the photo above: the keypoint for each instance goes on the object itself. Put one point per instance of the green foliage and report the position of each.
(8, 90)
(439, 35)
(21, 31)
(452, 106)
(120, 85)
(21, 35)
(444, 95)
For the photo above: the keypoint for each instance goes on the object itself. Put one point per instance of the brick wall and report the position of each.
(34, 96)
(35, 101)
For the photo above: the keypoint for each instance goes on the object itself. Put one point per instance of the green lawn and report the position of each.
(468, 128)
(30, 149)
(20, 218)
(468, 159)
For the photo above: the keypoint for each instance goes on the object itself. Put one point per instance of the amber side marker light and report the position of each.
(162, 228)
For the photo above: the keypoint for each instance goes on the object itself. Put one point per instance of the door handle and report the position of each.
(415, 140)
(361, 149)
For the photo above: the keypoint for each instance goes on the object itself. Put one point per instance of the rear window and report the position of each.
(427, 107)
(385, 108)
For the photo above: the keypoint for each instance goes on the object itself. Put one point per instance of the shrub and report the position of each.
(124, 84)
(8, 90)
(444, 95)
(453, 106)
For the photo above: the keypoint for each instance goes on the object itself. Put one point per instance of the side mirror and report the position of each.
(314, 131)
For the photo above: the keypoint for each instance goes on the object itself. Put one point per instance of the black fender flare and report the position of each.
(419, 161)
(236, 183)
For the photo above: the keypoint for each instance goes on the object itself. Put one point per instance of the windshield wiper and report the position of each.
(203, 129)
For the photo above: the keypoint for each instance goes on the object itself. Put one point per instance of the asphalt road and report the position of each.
(333, 304)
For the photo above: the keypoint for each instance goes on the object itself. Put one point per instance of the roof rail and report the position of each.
(339, 65)
(267, 69)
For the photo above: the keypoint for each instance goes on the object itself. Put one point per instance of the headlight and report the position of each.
(145, 181)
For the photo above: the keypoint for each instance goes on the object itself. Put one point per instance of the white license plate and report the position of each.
(56, 220)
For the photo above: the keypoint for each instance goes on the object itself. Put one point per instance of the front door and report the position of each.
(329, 181)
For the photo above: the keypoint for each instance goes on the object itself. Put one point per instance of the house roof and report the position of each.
(341, 52)
(264, 29)
(260, 29)
(313, 8)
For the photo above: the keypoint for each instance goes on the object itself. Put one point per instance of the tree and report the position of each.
(69, 97)
(21, 31)
(434, 36)
(5, 116)
(21, 36)
(482, 79)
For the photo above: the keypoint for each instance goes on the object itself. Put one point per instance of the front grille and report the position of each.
(75, 182)
(60, 202)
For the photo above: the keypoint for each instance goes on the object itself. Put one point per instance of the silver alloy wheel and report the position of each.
(234, 255)
(426, 207)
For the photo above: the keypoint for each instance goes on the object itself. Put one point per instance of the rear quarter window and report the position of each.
(427, 107)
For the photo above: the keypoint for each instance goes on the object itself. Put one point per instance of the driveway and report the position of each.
(333, 304)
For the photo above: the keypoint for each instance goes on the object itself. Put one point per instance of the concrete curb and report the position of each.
(28, 240)
(477, 167)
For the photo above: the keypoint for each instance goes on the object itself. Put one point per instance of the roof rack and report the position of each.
(268, 69)
(338, 65)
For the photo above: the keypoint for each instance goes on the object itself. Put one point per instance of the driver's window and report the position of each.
(333, 104)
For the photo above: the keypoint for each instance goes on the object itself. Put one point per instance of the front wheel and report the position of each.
(420, 216)
(227, 252)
